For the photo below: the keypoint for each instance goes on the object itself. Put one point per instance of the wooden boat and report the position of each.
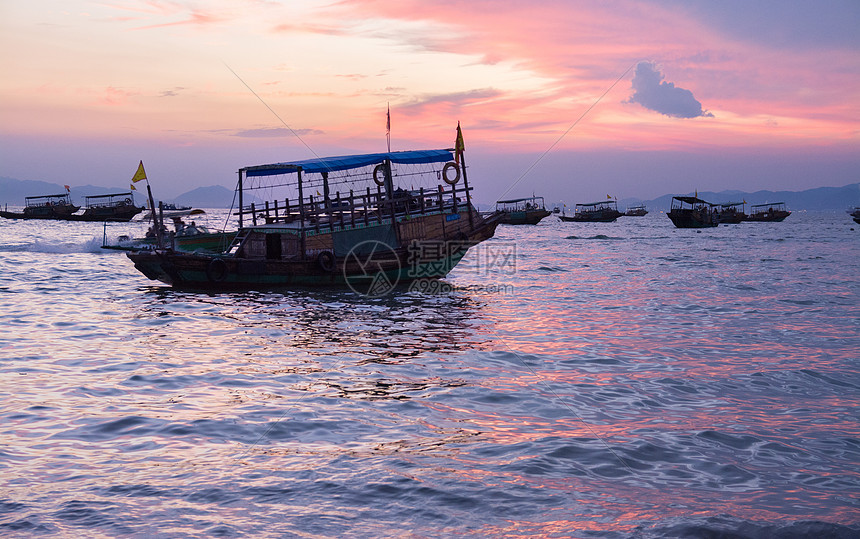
(172, 210)
(184, 237)
(768, 212)
(111, 207)
(44, 207)
(638, 210)
(730, 212)
(594, 212)
(370, 237)
(692, 212)
(522, 211)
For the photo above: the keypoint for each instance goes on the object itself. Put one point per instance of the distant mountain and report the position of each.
(215, 196)
(12, 193)
(818, 199)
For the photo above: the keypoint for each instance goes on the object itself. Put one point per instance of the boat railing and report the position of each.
(355, 209)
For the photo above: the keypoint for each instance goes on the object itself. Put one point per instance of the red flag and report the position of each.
(388, 127)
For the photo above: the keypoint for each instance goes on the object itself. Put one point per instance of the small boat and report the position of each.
(594, 212)
(111, 207)
(855, 214)
(638, 210)
(44, 207)
(692, 212)
(371, 237)
(768, 212)
(522, 211)
(730, 212)
(184, 237)
(170, 211)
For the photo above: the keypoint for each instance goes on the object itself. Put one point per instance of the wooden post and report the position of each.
(302, 232)
(316, 213)
(241, 201)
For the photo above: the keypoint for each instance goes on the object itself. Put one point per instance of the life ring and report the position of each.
(450, 165)
(326, 261)
(379, 168)
(216, 271)
(128, 201)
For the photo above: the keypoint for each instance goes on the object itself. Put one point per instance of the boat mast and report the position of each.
(460, 149)
(302, 231)
(241, 207)
(157, 221)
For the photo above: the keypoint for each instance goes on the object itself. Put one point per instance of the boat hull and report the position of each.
(692, 219)
(607, 217)
(772, 217)
(523, 217)
(381, 267)
(121, 216)
(731, 218)
(53, 214)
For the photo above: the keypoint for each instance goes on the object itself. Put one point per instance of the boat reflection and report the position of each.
(315, 324)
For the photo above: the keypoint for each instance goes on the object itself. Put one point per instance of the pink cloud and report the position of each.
(114, 96)
(156, 9)
(583, 47)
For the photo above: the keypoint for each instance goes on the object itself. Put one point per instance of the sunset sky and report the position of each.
(571, 100)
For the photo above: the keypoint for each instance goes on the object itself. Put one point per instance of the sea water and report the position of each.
(565, 380)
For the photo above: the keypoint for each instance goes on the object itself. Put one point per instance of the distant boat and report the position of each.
(371, 237)
(730, 212)
(522, 211)
(692, 212)
(44, 207)
(638, 210)
(111, 207)
(775, 212)
(594, 212)
(855, 214)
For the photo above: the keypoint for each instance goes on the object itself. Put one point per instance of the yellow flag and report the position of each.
(140, 174)
(133, 188)
(609, 197)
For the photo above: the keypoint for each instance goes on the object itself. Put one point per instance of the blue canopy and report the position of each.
(346, 162)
